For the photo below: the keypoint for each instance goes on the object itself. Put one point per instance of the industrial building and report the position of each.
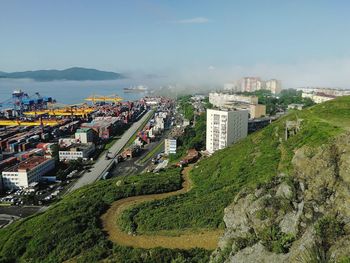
(84, 135)
(76, 151)
(225, 127)
(26, 172)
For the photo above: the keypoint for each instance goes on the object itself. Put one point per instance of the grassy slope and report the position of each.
(254, 160)
(71, 227)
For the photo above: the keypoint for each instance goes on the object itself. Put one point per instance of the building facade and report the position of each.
(318, 97)
(76, 151)
(27, 172)
(84, 135)
(250, 84)
(223, 99)
(225, 127)
(274, 86)
(170, 146)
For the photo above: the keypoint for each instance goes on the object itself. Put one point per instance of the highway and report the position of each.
(102, 165)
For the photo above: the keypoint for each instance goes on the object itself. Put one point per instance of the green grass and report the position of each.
(110, 143)
(71, 227)
(254, 160)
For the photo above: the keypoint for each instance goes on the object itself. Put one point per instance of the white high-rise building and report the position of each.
(170, 146)
(273, 85)
(225, 127)
(250, 84)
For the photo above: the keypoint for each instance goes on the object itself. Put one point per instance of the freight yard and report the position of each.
(48, 149)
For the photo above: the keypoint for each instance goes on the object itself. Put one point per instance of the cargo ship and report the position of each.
(139, 88)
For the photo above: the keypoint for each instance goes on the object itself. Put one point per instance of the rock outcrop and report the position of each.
(299, 217)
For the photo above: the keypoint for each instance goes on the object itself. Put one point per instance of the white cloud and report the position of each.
(194, 20)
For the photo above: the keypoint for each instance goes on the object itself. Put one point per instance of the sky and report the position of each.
(300, 42)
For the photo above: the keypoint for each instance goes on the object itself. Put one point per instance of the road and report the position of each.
(102, 164)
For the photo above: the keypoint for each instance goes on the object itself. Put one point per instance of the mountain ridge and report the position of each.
(73, 73)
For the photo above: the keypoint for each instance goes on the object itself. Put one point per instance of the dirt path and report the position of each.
(207, 239)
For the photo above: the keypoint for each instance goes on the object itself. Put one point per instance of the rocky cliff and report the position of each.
(300, 217)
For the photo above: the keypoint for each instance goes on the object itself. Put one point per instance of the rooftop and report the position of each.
(81, 130)
(28, 164)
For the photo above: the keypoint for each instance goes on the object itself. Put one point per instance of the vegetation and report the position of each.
(275, 240)
(329, 229)
(194, 135)
(67, 74)
(252, 161)
(71, 227)
(186, 107)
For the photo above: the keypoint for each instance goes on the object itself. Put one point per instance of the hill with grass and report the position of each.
(75, 73)
(275, 197)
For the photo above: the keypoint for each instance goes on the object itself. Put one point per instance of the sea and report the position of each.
(70, 92)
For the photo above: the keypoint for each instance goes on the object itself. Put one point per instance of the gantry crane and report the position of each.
(40, 122)
(98, 98)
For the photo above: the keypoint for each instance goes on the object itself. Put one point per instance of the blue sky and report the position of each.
(232, 37)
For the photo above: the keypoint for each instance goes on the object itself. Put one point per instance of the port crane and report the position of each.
(98, 98)
(41, 122)
(66, 110)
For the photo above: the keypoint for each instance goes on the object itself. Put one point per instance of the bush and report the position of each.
(328, 229)
(275, 240)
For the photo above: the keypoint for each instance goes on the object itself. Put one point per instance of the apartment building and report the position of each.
(27, 172)
(170, 146)
(225, 127)
(224, 100)
(274, 86)
(250, 84)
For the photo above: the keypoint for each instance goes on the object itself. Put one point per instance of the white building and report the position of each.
(317, 98)
(225, 128)
(274, 86)
(250, 84)
(84, 135)
(170, 146)
(223, 99)
(27, 172)
(76, 151)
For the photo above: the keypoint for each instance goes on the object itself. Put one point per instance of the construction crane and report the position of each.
(98, 98)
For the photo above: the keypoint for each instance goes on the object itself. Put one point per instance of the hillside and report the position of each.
(66, 74)
(71, 228)
(265, 177)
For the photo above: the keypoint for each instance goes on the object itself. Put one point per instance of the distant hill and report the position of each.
(66, 74)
